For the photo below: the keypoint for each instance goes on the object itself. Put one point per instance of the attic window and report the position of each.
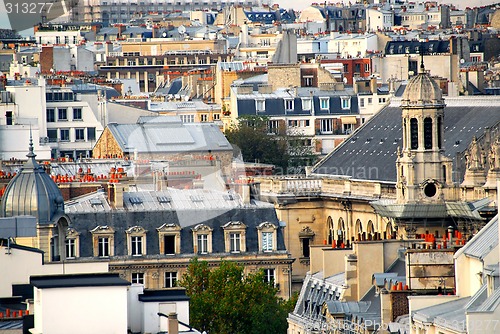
(95, 201)
(135, 200)
(196, 198)
(164, 199)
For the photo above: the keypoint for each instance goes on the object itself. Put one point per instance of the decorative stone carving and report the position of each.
(475, 155)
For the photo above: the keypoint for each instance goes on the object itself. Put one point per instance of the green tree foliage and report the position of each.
(225, 301)
(275, 146)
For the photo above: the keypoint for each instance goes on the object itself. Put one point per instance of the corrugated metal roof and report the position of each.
(443, 311)
(482, 243)
(338, 307)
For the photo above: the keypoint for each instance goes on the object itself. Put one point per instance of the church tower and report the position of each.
(423, 171)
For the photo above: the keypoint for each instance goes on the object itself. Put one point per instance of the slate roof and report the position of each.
(483, 243)
(164, 134)
(187, 208)
(415, 47)
(77, 280)
(370, 152)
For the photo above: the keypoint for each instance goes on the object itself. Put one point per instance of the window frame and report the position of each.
(64, 138)
(72, 240)
(133, 234)
(260, 105)
(75, 112)
(169, 230)
(199, 230)
(289, 104)
(231, 230)
(264, 228)
(345, 103)
(172, 279)
(103, 232)
(139, 279)
(62, 112)
(80, 131)
(325, 106)
(52, 113)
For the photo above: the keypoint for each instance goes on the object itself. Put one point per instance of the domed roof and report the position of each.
(422, 90)
(32, 192)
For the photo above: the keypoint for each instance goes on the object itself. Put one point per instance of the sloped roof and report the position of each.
(482, 243)
(165, 134)
(370, 152)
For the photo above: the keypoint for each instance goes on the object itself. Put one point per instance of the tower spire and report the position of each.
(422, 67)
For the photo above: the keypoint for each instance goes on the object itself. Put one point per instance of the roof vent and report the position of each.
(135, 200)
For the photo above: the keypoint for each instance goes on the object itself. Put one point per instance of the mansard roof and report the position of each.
(370, 152)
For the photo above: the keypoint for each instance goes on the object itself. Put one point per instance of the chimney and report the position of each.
(173, 323)
(115, 195)
(373, 85)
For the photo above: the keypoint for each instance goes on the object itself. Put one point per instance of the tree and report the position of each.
(272, 145)
(225, 301)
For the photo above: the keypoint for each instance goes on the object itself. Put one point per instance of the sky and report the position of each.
(295, 4)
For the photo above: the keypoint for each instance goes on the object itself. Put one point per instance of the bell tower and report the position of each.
(423, 171)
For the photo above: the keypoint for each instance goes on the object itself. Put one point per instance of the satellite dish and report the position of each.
(181, 30)
(345, 80)
(164, 34)
(462, 61)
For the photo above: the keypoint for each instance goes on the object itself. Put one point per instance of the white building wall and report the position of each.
(81, 310)
(153, 323)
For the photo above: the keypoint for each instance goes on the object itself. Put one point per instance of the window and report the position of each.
(288, 104)
(439, 126)
(367, 68)
(70, 248)
(90, 134)
(66, 39)
(169, 236)
(361, 102)
(58, 39)
(267, 241)
(369, 100)
(136, 241)
(77, 114)
(273, 126)
(307, 81)
(64, 134)
(204, 117)
(270, 276)
(187, 118)
(137, 278)
(235, 240)
(202, 244)
(234, 236)
(413, 133)
(62, 114)
(52, 134)
(170, 279)
(79, 134)
(260, 105)
(346, 103)
(217, 117)
(305, 247)
(306, 104)
(51, 115)
(75, 40)
(427, 133)
(71, 243)
(326, 125)
(324, 103)
(103, 246)
(347, 128)
(381, 100)
(136, 245)
(305, 236)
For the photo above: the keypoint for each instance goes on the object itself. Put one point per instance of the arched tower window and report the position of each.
(414, 133)
(331, 230)
(428, 133)
(405, 141)
(439, 126)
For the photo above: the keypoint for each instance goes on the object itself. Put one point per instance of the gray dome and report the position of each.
(422, 90)
(32, 192)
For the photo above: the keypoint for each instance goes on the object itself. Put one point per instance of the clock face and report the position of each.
(430, 190)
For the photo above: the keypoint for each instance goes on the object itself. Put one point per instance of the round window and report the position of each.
(430, 190)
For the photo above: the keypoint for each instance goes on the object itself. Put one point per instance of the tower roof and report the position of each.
(422, 90)
(32, 192)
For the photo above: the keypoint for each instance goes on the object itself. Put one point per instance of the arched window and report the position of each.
(439, 126)
(444, 173)
(414, 133)
(359, 229)
(331, 230)
(341, 232)
(369, 227)
(388, 230)
(428, 133)
(405, 141)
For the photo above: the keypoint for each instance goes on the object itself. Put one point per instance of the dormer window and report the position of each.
(346, 102)
(169, 237)
(289, 105)
(324, 103)
(260, 105)
(267, 237)
(202, 239)
(136, 241)
(72, 243)
(103, 241)
(234, 237)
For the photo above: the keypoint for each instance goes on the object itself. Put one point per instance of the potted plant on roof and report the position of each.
(225, 110)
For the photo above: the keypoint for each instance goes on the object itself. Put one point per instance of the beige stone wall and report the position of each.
(106, 145)
(324, 77)
(281, 76)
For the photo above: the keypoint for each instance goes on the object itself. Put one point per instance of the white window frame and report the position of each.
(270, 276)
(324, 103)
(169, 230)
(132, 234)
(264, 229)
(345, 102)
(202, 230)
(137, 278)
(289, 104)
(260, 105)
(326, 125)
(71, 244)
(204, 118)
(103, 232)
(306, 103)
(171, 278)
(233, 230)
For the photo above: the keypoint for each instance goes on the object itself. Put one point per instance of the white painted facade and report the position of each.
(80, 310)
(379, 19)
(352, 45)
